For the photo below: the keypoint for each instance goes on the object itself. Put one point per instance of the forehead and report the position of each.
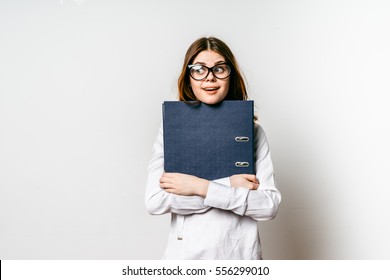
(208, 57)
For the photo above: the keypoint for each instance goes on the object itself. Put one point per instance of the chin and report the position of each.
(211, 100)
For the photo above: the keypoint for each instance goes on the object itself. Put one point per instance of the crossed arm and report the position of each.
(184, 184)
(244, 194)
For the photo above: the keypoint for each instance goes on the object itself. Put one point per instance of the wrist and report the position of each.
(203, 188)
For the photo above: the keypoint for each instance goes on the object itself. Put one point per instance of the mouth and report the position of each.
(211, 90)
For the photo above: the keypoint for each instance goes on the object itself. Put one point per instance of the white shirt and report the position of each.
(223, 225)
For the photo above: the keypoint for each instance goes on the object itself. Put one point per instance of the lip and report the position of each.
(210, 90)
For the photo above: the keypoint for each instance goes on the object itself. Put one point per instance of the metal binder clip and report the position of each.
(241, 139)
(242, 164)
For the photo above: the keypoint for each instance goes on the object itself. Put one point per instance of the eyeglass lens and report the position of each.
(200, 72)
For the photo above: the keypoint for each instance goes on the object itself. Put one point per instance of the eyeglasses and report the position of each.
(200, 72)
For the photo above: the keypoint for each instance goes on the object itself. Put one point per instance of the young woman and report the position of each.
(213, 219)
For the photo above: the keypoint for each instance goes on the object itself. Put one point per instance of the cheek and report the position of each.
(226, 86)
(195, 86)
(192, 84)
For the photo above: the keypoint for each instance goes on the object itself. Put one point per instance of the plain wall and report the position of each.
(81, 88)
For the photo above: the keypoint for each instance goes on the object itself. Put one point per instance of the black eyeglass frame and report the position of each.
(210, 69)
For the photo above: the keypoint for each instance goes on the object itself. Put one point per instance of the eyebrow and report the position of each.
(216, 63)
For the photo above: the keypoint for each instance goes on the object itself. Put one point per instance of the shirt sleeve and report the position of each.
(260, 204)
(157, 200)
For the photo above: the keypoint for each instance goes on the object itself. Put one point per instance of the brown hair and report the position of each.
(237, 89)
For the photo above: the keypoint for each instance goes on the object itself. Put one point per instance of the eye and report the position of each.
(219, 69)
(198, 69)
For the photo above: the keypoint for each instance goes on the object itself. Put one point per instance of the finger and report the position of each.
(165, 179)
(165, 186)
(250, 177)
(169, 174)
(253, 186)
(254, 179)
(170, 190)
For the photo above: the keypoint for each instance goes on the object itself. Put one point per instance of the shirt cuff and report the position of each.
(223, 181)
(226, 198)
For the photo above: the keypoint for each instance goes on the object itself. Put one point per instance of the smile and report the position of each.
(211, 88)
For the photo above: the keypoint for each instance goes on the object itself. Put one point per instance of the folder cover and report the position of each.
(209, 141)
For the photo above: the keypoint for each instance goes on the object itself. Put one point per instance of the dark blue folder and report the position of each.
(208, 141)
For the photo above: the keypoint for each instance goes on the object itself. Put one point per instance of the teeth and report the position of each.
(211, 88)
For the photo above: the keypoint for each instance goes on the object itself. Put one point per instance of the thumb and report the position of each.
(250, 177)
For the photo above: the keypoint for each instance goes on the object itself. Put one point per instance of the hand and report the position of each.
(183, 184)
(244, 181)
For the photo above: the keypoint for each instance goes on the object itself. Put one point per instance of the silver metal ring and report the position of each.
(242, 164)
(242, 139)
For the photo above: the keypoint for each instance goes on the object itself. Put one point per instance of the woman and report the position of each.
(213, 219)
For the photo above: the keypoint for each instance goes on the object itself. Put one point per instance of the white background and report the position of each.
(81, 87)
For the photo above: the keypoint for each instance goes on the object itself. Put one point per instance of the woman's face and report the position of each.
(210, 90)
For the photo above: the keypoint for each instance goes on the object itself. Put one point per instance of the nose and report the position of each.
(210, 76)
